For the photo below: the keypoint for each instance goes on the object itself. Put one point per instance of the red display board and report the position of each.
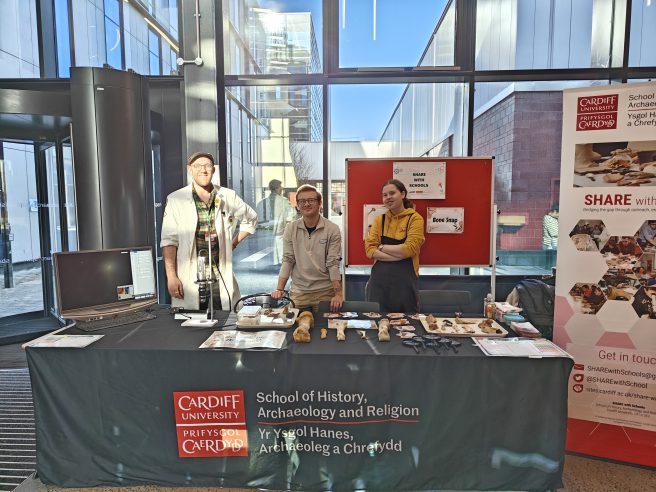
(469, 184)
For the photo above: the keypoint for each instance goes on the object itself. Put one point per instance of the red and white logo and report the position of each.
(210, 423)
(597, 112)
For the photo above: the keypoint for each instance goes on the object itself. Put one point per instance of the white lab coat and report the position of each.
(179, 229)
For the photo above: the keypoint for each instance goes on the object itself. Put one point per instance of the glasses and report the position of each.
(205, 167)
(307, 201)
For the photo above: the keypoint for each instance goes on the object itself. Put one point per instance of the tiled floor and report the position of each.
(25, 296)
(588, 475)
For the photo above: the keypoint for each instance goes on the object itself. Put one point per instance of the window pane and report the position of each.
(534, 34)
(643, 34)
(69, 191)
(19, 57)
(136, 40)
(358, 118)
(520, 125)
(52, 206)
(63, 39)
(440, 51)
(112, 10)
(173, 18)
(273, 37)
(89, 34)
(153, 48)
(174, 62)
(153, 41)
(272, 149)
(113, 43)
(154, 64)
(389, 33)
(53, 199)
(428, 121)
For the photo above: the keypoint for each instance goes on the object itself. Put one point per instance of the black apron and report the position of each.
(393, 284)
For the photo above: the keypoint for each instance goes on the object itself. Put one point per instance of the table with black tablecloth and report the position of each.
(370, 415)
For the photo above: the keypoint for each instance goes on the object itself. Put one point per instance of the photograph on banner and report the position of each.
(621, 252)
(445, 220)
(646, 235)
(589, 235)
(587, 298)
(621, 163)
(370, 212)
(423, 180)
(620, 285)
(644, 302)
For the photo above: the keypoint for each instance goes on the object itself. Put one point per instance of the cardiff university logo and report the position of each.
(597, 112)
(210, 423)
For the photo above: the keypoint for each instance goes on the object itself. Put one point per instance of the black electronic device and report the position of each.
(101, 284)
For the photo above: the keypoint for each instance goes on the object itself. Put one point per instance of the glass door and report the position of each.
(58, 209)
(21, 285)
(68, 191)
(37, 219)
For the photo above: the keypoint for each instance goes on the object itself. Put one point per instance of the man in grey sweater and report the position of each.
(312, 250)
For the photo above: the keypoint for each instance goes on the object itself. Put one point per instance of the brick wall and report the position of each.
(523, 132)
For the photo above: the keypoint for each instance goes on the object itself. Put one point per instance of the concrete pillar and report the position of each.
(204, 98)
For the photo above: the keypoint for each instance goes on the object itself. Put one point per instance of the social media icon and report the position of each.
(579, 367)
(577, 388)
(578, 378)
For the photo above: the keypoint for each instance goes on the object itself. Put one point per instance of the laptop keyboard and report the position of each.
(127, 319)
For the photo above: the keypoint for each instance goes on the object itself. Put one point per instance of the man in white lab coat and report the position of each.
(193, 214)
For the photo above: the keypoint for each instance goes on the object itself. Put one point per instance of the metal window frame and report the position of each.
(45, 246)
(121, 26)
(46, 38)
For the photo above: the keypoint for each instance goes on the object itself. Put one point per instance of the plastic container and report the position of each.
(490, 307)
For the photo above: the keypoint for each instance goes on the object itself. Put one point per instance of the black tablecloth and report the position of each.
(369, 415)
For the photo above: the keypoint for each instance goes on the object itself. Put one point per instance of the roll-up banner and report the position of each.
(605, 313)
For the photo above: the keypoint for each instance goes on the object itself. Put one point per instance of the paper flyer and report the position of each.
(370, 212)
(605, 309)
(445, 220)
(519, 347)
(234, 339)
(62, 341)
(423, 180)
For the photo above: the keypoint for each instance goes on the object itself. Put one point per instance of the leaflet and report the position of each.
(69, 341)
(233, 339)
(518, 347)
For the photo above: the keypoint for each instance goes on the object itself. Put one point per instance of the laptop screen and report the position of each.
(105, 282)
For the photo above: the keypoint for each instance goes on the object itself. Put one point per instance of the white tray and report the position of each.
(255, 321)
(461, 330)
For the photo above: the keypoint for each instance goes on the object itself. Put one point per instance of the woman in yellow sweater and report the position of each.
(394, 241)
